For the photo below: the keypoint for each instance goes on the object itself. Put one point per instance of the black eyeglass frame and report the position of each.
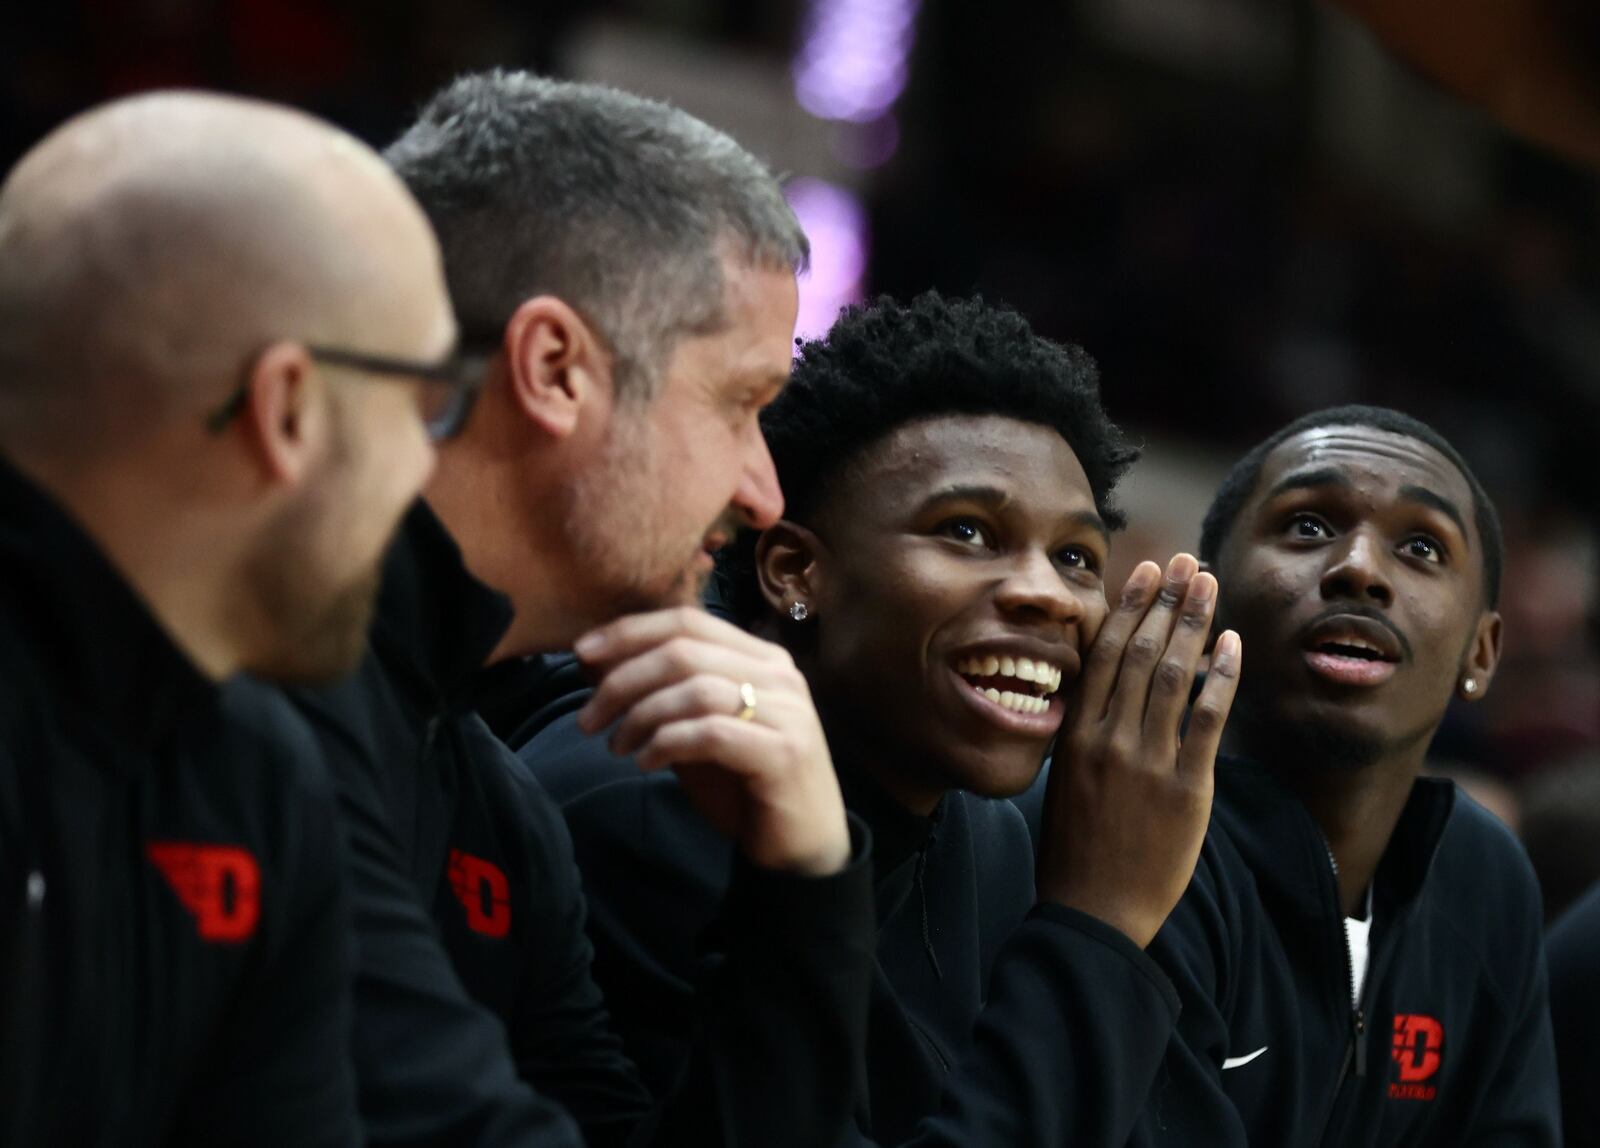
(463, 371)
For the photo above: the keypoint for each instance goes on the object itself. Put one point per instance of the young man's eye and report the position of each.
(1307, 526)
(1077, 558)
(1423, 547)
(966, 530)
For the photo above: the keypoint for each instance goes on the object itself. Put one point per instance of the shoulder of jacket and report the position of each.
(286, 748)
(1477, 845)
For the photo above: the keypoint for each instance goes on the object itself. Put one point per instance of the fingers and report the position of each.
(1198, 754)
(1148, 646)
(704, 695)
(1105, 657)
(604, 648)
(744, 748)
(1174, 674)
(677, 660)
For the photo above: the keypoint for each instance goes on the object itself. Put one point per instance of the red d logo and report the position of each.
(1418, 1041)
(219, 884)
(483, 892)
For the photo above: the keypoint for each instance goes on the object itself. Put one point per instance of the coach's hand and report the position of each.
(1128, 800)
(733, 717)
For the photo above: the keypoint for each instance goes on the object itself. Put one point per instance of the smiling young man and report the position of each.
(937, 580)
(630, 273)
(1360, 955)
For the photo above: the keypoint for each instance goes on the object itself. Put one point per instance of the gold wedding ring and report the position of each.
(747, 696)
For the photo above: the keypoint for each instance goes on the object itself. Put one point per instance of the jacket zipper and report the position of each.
(1355, 1052)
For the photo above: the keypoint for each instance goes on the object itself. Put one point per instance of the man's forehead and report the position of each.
(1361, 450)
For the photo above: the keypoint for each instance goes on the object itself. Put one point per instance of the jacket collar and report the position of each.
(93, 635)
(1284, 847)
(899, 837)
(436, 624)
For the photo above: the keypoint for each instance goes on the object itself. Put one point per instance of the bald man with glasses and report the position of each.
(195, 486)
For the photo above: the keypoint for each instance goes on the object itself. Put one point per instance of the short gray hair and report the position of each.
(618, 205)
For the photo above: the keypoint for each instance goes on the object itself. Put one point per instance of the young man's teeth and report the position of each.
(1021, 703)
(1023, 669)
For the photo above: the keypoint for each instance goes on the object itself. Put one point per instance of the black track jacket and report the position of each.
(1575, 1006)
(1451, 1045)
(173, 931)
(994, 1021)
(473, 963)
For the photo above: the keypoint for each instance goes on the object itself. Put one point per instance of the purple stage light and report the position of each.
(836, 223)
(853, 58)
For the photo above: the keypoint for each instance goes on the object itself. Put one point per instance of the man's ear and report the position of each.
(285, 418)
(787, 567)
(1483, 655)
(557, 363)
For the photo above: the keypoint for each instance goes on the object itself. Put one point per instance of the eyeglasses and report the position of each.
(452, 385)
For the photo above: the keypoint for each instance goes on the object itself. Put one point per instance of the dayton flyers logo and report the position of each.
(1418, 1049)
(484, 893)
(219, 884)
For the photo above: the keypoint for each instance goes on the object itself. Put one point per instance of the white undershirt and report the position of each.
(1357, 933)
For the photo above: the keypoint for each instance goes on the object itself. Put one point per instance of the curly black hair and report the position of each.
(885, 364)
(1241, 482)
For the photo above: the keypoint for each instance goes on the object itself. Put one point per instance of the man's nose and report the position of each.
(758, 499)
(1359, 569)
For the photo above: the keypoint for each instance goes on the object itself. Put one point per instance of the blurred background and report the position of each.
(1245, 209)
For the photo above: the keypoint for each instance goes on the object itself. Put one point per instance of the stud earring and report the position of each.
(1469, 686)
(799, 611)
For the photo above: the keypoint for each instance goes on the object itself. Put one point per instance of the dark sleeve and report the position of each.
(1574, 945)
(432, 1065)
(279, 1072)
(778, 1054)
(1065, 1051)
(1521, 1103)
(753, 1032)
(741, 992)
(1196, 948)
(561, 1033)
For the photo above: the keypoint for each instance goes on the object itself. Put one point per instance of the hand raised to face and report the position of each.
(1129, 799)
(733, 717)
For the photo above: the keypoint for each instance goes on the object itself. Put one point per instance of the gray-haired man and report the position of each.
(630, 273)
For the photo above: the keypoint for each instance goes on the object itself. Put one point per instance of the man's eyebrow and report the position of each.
(995, 498)
(991, 496)
(1093, 521)
(1310, 479)
(1437, 502)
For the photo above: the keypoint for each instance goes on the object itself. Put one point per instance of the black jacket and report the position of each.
(1575, 1006)
(1451, 1044)
(994, 1022)
(470, 924)
(173, 930)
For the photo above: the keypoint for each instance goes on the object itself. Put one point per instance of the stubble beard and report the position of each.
(317, 630)
(613, 526)
(318, 634)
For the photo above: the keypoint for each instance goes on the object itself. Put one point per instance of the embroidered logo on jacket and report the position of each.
(1418, 1047)
(219, 884)
(484, 893)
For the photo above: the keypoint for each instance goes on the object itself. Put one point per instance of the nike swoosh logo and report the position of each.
(1236, 1061)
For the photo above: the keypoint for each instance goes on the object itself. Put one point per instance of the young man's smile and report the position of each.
(958, 584)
